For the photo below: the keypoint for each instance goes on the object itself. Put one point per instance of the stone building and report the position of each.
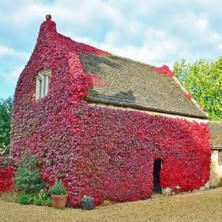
(108, 126)
(216, 156)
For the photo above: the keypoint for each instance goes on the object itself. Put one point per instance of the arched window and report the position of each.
(42, 83)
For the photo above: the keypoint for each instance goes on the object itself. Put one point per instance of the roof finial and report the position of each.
(48, 17)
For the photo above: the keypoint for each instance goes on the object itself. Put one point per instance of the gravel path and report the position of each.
(204, 206)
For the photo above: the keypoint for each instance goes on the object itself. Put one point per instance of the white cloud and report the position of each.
(151, 31)
(7, 51)
(128, 22)
(4, 51)
(155, 49)
(14, 74)
(11, 76)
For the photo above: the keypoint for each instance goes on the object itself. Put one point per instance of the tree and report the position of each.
(203, 79)
(5, 121)
(27, 176)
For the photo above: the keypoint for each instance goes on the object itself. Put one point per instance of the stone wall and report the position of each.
(216, 170)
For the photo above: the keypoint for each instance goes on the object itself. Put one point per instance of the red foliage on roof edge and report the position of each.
(164, 70)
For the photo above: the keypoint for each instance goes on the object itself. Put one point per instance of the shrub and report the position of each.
(44, 194)
(42, 198)
(58, 188)
(38, 201)
(6, 174)
(27, 176)
(48, 202)
(25, 199)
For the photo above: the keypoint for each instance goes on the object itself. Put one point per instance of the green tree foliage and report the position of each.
(5, 121)
(203, 79)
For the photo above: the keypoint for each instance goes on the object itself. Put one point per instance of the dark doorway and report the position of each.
(156, 176)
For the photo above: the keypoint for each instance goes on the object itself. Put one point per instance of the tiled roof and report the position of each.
(136, 85)
(216, 134)
(127, 83)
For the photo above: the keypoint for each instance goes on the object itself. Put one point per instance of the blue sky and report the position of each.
(156, 32)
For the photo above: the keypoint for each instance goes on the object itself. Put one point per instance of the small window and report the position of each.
(42, 83)
(219, 157)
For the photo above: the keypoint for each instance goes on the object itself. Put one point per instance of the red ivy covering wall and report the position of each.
(103, 152)
(6, 175)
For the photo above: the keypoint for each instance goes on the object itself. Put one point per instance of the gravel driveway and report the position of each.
(204, 206)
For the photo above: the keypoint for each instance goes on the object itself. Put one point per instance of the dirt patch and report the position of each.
(196, 207)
